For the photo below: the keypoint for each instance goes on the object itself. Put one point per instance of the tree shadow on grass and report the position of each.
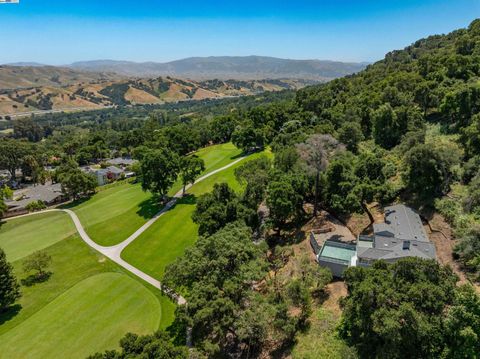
(150, 207)
(9, 313)
(242, 154)
(178, 329)
(74, 203)
(33, 279)
(188, 199)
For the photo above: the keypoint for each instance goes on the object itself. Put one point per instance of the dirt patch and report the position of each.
(335, 290)
(440, 233)
(359, 224)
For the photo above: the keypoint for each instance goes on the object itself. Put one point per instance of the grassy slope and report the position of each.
(16, 237)
(320, 340)
(87, 318)
(218, 156)
(172, 233)
(117, 211)
(215, 157)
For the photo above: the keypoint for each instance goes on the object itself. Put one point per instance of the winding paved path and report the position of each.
(114, 252)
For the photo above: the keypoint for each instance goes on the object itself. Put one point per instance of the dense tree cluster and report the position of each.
(407, 126)
(413, 309)
(157, 345)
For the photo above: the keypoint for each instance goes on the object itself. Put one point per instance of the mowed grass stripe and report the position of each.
(113, 214)
(20, 237)
(173, 232)
(89, 317)
(218, 156)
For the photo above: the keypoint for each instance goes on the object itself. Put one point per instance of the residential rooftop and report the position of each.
(401, 222)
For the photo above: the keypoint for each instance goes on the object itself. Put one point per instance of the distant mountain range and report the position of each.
(28, 86)
(227, 67)
(220, 67)
(27, 76)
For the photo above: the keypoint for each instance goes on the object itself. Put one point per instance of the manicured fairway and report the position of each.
(22, 236)
(113, 214)
(87, 318)
(218, 156)
(116, 212)
(164, 241)
(215, 157)
(172, 233)
(84, 296)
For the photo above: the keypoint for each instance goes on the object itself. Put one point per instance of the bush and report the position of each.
(35, 206)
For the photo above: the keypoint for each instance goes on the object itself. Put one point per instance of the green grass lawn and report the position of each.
(173, 232)
(218, 156)
(113, 214)
(23, 236)
(116, 212)
(215, 157)
(89, 317)
(88, 303)
(73, 265)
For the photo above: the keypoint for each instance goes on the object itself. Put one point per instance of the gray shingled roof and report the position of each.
(401, 222)
(114, 169)
(402, 235)
(121, 161)
(46, 193)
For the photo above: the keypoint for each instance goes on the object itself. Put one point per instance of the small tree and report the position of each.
(350, 134)
(190, 168)
(316, 152)
(281, 201)
(38, 261)
(5, 193)
(9, 287)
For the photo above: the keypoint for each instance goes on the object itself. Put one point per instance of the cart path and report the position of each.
(114, 252)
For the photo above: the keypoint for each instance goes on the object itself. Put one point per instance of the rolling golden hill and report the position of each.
(65, 89)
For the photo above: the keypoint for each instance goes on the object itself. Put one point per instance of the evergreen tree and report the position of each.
(9, 287)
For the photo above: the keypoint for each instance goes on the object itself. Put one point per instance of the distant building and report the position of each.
(121, 161)
(109, 174)
(401, 235)
(49, 194)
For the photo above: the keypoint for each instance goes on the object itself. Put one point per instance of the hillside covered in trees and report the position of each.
(407, 128)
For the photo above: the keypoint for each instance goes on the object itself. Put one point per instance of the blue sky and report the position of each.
(63, 31)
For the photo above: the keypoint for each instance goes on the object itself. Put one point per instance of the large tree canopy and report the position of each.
(190, 168)
(216, 275)
(159, 169)
(400, 311)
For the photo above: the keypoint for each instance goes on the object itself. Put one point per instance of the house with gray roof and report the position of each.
(121, 161)
(49, 194)
(106, 175)
(401, 235)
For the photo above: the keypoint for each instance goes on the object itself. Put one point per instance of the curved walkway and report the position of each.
(113, 252)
